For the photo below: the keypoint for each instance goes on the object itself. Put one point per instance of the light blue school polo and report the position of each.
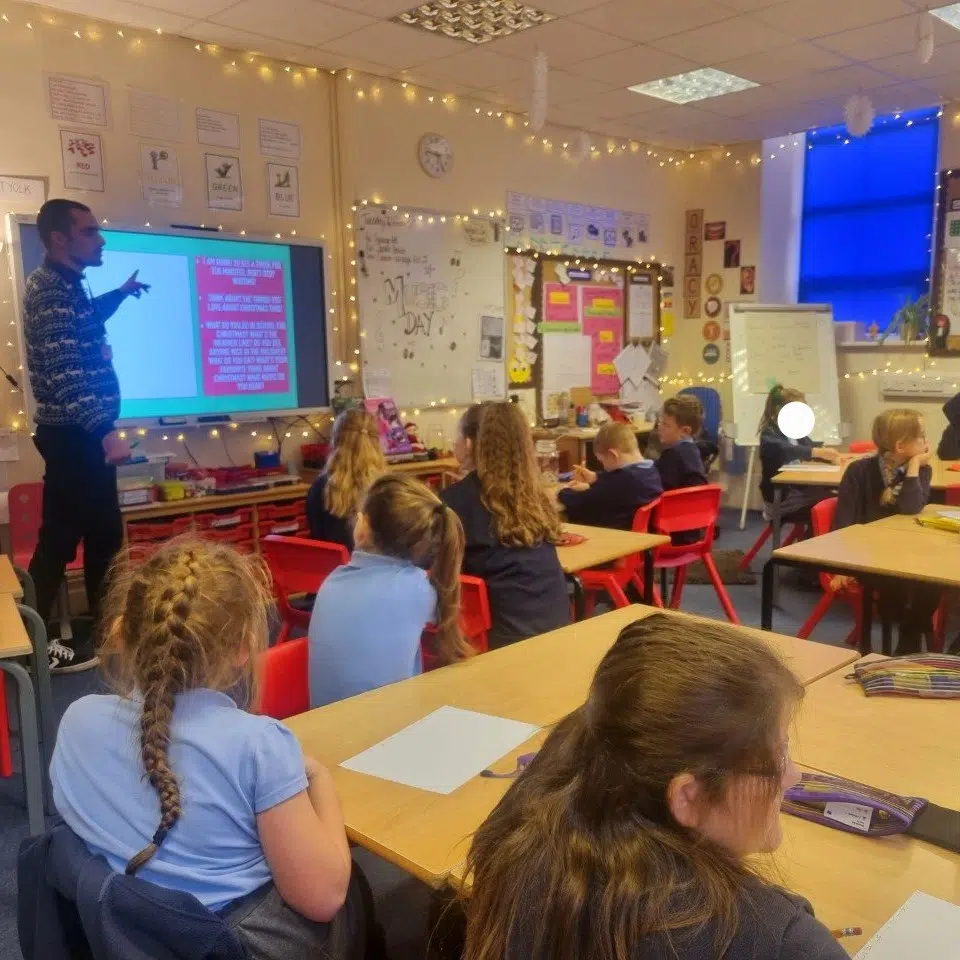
(231, 765)
(366, 625)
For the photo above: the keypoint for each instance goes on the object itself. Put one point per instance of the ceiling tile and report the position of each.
(316, 57)
(845, 80)
(908, 66)
(432, 85)
(194, 9)
(623, 103)
(736, 37)
(396, 45)
(120, 11)
(742, 103)
(676, 117)
(476, 67)
(946, 88)
(565, 7)
(563, 41)
(796, 118)
(570, 86)
(747, 6)
(308, 22)
(783, 63)
(242, 40)
(634, 65)
(651, 19)
(885, 39)
(815, 18)
(722, 131)
(376, 8)
(904, 96)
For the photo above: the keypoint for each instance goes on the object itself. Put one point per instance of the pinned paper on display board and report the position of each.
(561, 308)
(632, 364)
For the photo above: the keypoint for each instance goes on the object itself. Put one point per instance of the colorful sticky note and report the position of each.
(606, 336)
(559, 298)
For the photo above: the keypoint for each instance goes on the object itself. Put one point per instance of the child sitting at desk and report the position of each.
(247, 825)
(629, 834)
(777, 450)
(680, 463)
(510, 524)
(355, 461)
(895, 480)
(627, 482)
(369, 615)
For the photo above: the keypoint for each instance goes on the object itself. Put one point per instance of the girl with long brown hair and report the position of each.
(510, 524)
(355, 461)
(172, 780)
(369, 614)
(627, 836)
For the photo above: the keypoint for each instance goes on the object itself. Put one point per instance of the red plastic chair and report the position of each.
(475, 621)
(299, 565)
(614, 580)
(680, 511)
(26, 511)
(863, 446)
(797, 531)
(285, 682)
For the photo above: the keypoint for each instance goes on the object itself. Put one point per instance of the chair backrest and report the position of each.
(710, 401)
(689, 508)
(475, 618)
(285, 683)
(821, 516)
(641, 519)
(863, 446)
(26, 508)
(300, 565)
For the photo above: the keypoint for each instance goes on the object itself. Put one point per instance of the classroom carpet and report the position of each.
(402, 902)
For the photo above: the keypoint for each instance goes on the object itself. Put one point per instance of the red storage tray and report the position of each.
(225, 519)
(156, 531)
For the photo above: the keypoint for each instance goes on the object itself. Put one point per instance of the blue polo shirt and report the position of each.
(366, 625)
(231, 765)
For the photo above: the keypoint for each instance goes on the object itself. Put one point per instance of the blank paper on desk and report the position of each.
(442, 751)
(924, 928)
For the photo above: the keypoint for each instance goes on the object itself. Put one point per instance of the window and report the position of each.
(868, 207)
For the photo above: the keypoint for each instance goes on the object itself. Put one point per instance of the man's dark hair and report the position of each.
(57, 216)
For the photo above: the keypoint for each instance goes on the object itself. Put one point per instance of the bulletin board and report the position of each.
(570, 322)
(945, 299)
(430, 297)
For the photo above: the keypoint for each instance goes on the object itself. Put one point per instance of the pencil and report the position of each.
(847, 932)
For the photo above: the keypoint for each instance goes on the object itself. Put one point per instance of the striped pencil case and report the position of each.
(931, 676)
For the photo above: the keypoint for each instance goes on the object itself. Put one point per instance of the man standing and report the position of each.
(77, 399)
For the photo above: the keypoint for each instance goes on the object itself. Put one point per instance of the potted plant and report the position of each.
(912, 320)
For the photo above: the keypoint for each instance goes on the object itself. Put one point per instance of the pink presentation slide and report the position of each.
(243, 326)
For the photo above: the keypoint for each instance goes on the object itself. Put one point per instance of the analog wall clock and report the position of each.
(435, 155)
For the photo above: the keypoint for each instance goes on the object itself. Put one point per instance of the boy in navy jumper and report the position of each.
(680, 463)
(628, 481)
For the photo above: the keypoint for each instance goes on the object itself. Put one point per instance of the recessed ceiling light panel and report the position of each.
(695, 85)
(476, 21)
(949, 14)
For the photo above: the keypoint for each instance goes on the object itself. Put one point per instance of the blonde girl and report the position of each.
(369, 615)
(895, 480)
(510, 524)
(629, 834)
(356, 460)
(777, 450)
(172, 780)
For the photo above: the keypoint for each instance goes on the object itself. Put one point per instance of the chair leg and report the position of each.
(725, 601)
(679, 579)
(940, 619)
(755, 549)
(617, 595)
(589, 602)
(817, 614)
(6, 755)
(795, 534)
(63, 602)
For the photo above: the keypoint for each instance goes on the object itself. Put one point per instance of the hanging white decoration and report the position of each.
(538, 102)
(859, 115)
(581, 147)
(925, 38)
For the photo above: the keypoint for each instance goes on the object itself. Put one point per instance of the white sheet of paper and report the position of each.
(488, 381)
(153, 115)
(443, 750)
(632, 363)
(377, 382)
(279, 139)
(218, 128)
(640, 312)
(809, 467)
(924, 926)
(80, 100)
(530, 326)
(949, 514)
(530, 311)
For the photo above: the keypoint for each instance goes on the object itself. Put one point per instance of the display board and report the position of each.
(793, 345)
(945, 292)
(430, 293)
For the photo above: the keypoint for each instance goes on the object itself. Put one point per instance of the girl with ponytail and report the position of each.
(370, 614)
(173, 781)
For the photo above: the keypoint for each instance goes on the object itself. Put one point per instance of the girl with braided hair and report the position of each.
(171, 780)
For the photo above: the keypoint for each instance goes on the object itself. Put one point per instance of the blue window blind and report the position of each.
(867, 216)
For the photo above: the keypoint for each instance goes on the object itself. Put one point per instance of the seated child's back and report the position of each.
(612, 497)
(369, 615)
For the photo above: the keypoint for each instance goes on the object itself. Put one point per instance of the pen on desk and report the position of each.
(847, 932)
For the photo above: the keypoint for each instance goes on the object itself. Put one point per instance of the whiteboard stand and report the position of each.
(748, 486)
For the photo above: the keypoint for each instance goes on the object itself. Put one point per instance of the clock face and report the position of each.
(436, 155)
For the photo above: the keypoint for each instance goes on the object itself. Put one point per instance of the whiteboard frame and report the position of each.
(748, 407)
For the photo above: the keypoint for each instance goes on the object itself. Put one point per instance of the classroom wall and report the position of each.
(29, 145)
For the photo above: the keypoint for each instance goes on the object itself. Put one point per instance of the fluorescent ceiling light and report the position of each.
(949, 14)
(695, 85)
(476, 21)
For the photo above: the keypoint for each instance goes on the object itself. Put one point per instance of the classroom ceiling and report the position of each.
(807, 56)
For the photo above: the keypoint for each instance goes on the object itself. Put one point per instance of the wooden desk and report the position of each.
(537, 681)
(901, 744)
(851, 881)
(9, 581)
(873, 553)
(902, 523)
(603, 546)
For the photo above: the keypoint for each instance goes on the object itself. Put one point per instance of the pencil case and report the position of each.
(857, 808)
(931, 676)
